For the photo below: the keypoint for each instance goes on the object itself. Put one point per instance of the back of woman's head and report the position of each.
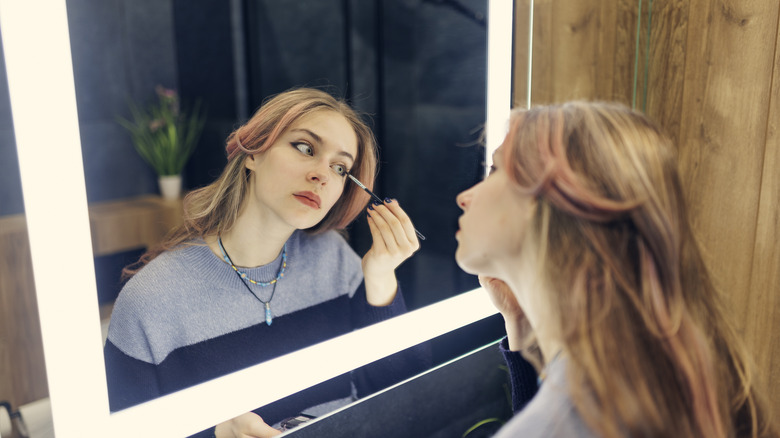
(216, 207)
(631, 299)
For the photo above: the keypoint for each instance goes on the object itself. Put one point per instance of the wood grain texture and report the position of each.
(714, 85)
(22, 366)
(723, 134)
(574, 75)
(541, 81)
(763, 306)
(520, 52)
(127, 224)
(624, 51)
(668, 42)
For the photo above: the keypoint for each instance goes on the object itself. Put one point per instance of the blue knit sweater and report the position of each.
(541, 411)
(186, 318)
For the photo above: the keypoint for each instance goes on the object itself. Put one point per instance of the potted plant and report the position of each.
(165, 137)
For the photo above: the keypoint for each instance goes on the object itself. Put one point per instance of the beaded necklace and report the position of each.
(244, 278)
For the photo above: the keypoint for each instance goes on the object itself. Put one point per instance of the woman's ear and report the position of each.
(250, 162)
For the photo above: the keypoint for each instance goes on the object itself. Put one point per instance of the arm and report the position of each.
(396, 367)
(522, 376)
(130, 381)
(131, 374)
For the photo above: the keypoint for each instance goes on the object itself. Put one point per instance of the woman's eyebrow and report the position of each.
(318, 139)
(311, 134)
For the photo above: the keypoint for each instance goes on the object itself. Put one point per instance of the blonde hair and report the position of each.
(213, 209)
(651, 351)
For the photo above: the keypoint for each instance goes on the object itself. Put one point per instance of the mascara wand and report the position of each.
(378, 199)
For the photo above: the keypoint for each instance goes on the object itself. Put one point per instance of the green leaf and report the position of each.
(166, 148)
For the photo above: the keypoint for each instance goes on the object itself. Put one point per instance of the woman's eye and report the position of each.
(340, 169)
(304, 148)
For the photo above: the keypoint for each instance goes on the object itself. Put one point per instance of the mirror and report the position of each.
(33, 87)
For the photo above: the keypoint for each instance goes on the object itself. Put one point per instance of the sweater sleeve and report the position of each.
(364, 314)
(130, 381)
(522, 375)
(396, 367)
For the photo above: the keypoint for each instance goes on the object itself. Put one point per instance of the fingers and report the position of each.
(404, 220)
(492, 283)
(376, 234)
(391, 228)
(245, 426)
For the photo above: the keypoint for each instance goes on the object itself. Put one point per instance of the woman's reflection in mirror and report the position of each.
(581, 237)
(259, 268)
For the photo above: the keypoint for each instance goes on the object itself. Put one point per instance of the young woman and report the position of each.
(581, 237)
(257, 269)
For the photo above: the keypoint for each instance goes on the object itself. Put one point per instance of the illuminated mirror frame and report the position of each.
(43, 103)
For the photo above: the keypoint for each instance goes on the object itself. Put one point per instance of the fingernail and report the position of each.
(371, 206)
(388, 200)
(375, 202)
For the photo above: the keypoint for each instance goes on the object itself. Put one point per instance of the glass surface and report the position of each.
(82, 337)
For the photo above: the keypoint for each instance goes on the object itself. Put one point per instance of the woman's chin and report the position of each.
(462, 259)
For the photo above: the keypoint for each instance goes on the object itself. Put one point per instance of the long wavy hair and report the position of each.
(651, 351)
(213, 209)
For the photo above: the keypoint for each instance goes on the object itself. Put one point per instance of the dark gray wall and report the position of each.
(121, 50)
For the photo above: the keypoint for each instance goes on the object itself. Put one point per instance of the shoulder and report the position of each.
(170, 267)
(551, 413)
(155, 297)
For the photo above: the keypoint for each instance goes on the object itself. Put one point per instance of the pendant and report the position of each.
(268, 318)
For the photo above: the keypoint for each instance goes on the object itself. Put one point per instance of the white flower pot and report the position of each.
(170, 187)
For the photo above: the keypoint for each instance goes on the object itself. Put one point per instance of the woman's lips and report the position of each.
(308, 198)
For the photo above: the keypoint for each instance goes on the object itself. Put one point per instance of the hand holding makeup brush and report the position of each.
(395, 240)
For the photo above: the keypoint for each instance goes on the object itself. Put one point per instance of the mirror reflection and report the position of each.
(415, 69)
(142, 217)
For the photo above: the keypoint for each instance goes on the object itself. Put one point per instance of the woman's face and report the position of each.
(300, 177)
(493, 226)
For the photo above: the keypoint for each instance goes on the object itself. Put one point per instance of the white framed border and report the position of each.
(40, 75)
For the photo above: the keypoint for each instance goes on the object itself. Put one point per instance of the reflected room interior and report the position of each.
(416, 69)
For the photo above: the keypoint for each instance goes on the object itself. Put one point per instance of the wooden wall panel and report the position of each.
(714, 86)
(520, 41)
(541, 70)
(622, 29)
(20, 332)
(669, 32)
(723, 134)
(583, 50)
(763, 304)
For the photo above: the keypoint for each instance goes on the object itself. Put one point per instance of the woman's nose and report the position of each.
(319, 173)
(464, 199)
